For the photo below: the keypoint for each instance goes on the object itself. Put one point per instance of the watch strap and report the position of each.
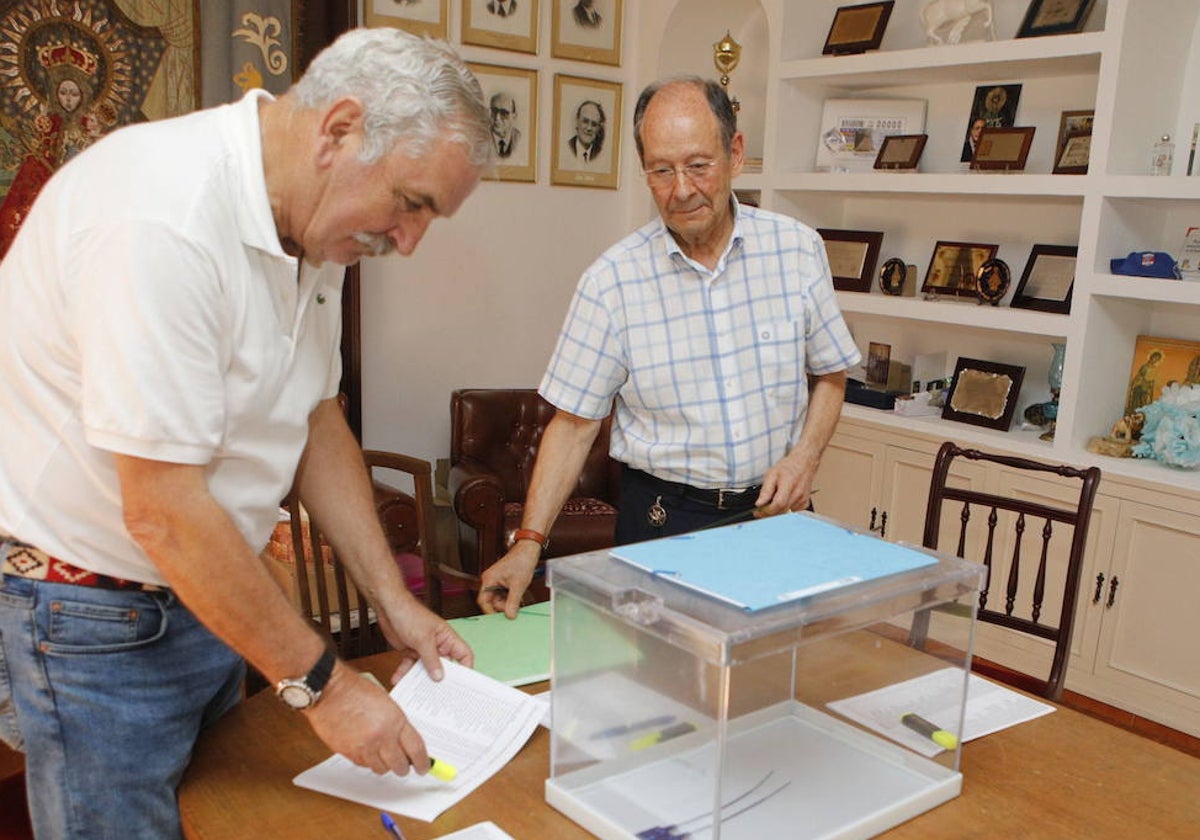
(322, 671)
(530, 534)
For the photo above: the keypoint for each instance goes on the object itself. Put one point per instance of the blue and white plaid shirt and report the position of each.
(709, 369)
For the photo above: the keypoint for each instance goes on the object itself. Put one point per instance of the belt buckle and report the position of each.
(721, 493)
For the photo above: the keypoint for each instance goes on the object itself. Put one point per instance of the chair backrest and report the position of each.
(987, 512)
(325, 592)
(502, 427)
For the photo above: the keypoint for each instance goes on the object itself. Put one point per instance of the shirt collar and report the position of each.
(255, 219)
(736, 237)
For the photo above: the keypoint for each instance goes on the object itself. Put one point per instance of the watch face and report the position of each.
(296, 695)
(892, 276)
(991, 282)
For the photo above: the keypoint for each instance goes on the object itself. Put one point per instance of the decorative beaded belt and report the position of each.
(23, 560)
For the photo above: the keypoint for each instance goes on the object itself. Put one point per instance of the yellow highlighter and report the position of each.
(943, 738)
(662, 735)
(441, 770)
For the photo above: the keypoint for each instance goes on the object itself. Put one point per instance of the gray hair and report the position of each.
(415, 92)
(718, 103)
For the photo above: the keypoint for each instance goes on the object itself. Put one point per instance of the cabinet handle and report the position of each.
(1099, 588)
(874, 513)
(882, 529)
(1112, 592)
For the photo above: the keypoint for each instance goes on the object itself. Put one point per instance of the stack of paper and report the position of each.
(468, 720)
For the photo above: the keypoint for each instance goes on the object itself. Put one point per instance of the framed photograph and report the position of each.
(420, 17)
(1074, 144)
(511, 94)
(587, 30)
(1158, 362)
(587, 132)
(853, 130)
(879, 360)
(1048, 279)
(983, 393)
(1054, 17)
(900, 151)
(1189, 254)
(503, 24)
(852, 256)
(856, 29)
(994, 106)
(1003, 148)
(954, 267)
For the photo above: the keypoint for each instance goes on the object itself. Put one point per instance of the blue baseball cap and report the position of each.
(1146, 264)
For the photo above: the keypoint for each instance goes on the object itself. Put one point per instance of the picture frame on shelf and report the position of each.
(1048, 279)
(879, 359)
(1158, 362)
(1189, 254)
(852, 130)
(1004, 149)
(587, 30)
(993, 106)
(852, 257)
(856, 29)
(587, 132)
(502, 24)
(992, 281)
(898, 278)
(1074, 144)
(983, 393)
(901, 151)
(511, 94)
(424, 18)
(1054, 17)
(954, 267)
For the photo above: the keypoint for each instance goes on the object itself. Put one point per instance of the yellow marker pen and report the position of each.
(441, 770)
(943, 738)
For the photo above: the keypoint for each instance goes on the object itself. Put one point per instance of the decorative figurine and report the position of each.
(955, 21)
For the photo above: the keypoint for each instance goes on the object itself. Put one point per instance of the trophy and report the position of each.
(726, 54)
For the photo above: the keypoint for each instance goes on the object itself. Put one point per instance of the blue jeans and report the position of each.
(105, 691)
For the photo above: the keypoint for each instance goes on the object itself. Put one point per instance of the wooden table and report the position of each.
(1059, 777)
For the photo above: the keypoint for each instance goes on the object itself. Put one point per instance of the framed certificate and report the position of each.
(852, 256)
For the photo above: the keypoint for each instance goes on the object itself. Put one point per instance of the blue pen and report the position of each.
(614, 731)
(389, 825)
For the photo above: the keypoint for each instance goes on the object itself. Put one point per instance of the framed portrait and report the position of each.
(852, 256)
(587, 30)
(511, 94)
(900, 151)
(879, 360)
(856, 29)
(1158, 362)
(587, 132)
(504, 24)
(954, 267)
(1073, 147)
(983, 393)
(1048, 279)
(993, 106)
(420, 17)
(1003, 148)
(1054, 17)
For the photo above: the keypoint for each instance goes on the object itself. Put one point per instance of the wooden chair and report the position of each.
(986, 542)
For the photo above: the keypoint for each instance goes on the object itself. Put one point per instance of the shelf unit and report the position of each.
(1113, 209)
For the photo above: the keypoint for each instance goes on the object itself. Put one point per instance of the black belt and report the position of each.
(722, 498)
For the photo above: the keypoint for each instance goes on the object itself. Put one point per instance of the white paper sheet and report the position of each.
(468, 720)
(935, 696)
(480, 831)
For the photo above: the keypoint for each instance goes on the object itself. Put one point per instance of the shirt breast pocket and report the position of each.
(780, 346)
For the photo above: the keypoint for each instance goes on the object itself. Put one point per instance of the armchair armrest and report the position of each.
(476, 494)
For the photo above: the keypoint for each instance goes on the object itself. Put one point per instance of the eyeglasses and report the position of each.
(664, 176)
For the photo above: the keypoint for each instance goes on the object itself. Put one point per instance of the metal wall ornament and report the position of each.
(726, 55)
(992, 281)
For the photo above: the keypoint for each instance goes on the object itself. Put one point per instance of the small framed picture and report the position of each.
(503, 24)
(587, 30)
(856, 29)
(879, 360)
(1054, 17)
(983, 393)
(852, 256)
(420, 17)
(511, 94)
(954, 267)
(1003, 148)
(1073, 147)
(900, 151)
(1048, 279)
(993, 106)
(1158, 362)
(587, 132)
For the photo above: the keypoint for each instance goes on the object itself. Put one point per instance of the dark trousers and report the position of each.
(640, 491)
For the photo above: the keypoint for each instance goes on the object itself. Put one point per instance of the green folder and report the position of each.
(513, 652)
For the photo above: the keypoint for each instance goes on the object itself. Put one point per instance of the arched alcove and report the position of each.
(687, 47)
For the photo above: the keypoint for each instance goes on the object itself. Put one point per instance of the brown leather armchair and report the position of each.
(494, 436)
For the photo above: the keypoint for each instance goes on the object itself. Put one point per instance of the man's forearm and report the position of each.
(561, 454)
(825, 401)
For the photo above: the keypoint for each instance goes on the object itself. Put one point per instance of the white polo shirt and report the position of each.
(148, 309)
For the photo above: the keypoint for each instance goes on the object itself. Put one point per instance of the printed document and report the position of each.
(468, 720)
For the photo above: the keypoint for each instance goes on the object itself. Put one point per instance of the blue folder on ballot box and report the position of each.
(772, 561)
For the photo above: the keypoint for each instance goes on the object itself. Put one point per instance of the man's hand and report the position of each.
(786, 486)
(356, 718)
(419, 634)
(505, 581)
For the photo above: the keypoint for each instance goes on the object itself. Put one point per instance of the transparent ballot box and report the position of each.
(678, 713)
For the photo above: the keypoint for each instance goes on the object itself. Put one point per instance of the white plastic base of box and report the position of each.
(789, 771)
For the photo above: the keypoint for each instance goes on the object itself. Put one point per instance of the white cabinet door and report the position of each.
(849, 479)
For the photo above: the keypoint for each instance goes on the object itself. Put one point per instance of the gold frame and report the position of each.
(572, 92)
(518, 35)
(417, 26)
(491, 78)
(585, 46)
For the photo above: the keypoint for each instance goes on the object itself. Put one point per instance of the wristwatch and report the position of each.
(305, 692)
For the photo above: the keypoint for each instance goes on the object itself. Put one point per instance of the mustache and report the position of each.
(377, 244)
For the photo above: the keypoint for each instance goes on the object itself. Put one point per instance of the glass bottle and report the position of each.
(1160, 159)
